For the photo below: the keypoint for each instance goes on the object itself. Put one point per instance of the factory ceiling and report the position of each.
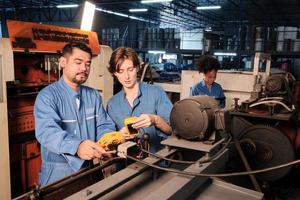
(177, 13)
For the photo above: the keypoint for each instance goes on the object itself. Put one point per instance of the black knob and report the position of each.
(146, 137)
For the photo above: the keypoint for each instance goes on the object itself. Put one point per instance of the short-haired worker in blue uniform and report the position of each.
(209, 66)
(136, 99)
(69, 118)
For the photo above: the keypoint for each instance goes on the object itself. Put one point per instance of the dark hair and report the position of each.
(118, 57)
(207, 63)
(68, 48)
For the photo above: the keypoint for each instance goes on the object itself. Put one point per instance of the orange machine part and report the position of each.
(47, 38)
(25, 165)
(29, 72)
(20, 115)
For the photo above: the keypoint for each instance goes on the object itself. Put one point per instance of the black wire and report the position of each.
(216, 175)
(191, 162)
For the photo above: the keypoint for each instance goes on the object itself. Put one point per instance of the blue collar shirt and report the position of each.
(63, 119)
(151, 99)
(216, 91)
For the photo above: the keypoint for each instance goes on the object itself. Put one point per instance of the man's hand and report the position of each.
(125, 134)
(88, 150)
(144, 121)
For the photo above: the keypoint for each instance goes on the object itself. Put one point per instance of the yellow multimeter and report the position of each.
(110, 140)
(128, 124)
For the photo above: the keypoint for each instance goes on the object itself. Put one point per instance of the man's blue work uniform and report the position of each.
(63, 119)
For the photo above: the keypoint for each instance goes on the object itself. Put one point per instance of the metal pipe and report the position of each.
(247, 166)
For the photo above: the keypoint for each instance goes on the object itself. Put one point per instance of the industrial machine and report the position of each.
(195, 155)
(182, 170)
(205, 142)
(28, 63)
(267, 125)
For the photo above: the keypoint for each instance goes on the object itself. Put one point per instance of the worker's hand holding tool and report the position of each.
(144, 121)
(125, 133)
(89, 150)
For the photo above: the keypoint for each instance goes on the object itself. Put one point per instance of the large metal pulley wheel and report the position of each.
(193, 117)
(274, 83)
(267, 147)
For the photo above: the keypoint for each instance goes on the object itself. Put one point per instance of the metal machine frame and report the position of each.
(139, 181)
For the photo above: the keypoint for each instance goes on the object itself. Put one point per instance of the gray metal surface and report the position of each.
(169, 185)
(227, 191)
(194, 145)
(182, 186)
(105, 186)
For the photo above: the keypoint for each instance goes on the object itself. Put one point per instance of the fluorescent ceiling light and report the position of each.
(208, 7)
(67, 6)
(88, 16)
(120, 14)
(124, 15)
(156, 52)
(170, 56)
(155, 1)
(138, 10)
(225, 54)
(208, 29)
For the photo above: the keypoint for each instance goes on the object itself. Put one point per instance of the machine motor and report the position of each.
(196, 117)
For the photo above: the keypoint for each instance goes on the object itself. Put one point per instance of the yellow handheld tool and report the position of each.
(110, 140)
(128, 124)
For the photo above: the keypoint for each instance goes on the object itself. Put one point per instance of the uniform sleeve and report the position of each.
(113, 115)
(222, 98)
(48, 129)
(193, 91)
(104, 123)
(163, 106)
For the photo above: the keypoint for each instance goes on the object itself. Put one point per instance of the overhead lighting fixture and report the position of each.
(156, 52)
(155, 1)
(169, 56)
(124, 15)
(121, 14)
(208, 29)
(138, 10)
(225, 54)
(88, 16)
(208, 7)
(67, 6)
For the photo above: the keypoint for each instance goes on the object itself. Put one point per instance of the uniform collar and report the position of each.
(202, 83)
(69, 89)
(140, 91)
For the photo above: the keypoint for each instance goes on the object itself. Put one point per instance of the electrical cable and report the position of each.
(271, 98)
(271, 102)
(219, 174)
(206, 160)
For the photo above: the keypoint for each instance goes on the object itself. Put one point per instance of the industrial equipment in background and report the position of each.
(266, 124)
(29, 62)
(206, 141)
(176, 172)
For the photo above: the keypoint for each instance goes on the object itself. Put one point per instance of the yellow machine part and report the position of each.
(128, 122)
(110, 140)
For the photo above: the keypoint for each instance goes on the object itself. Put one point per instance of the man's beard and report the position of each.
(81, 81)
